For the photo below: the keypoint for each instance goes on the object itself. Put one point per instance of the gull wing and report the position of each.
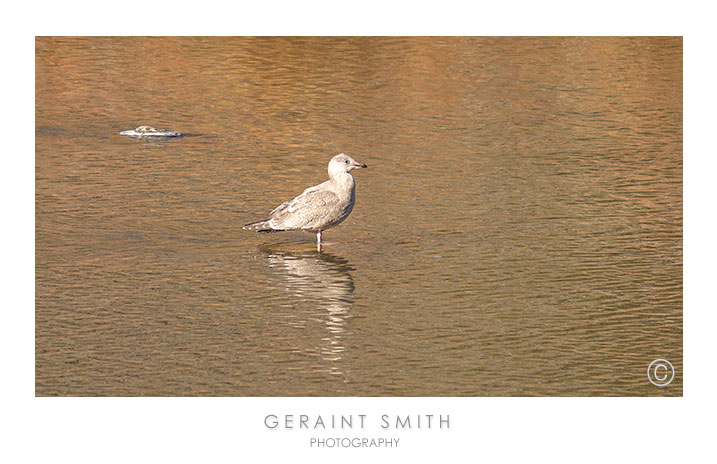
(312, 210)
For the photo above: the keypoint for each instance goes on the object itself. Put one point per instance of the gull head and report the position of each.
(344, 163)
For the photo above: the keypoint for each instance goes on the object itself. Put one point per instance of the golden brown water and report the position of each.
(518, 231)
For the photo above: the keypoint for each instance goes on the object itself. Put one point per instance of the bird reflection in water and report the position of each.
(324, 282)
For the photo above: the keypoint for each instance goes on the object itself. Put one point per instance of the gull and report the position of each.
(319, 207)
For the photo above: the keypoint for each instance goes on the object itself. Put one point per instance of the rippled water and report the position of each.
(518, 230)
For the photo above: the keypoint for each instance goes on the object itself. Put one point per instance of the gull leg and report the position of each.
(318, 241)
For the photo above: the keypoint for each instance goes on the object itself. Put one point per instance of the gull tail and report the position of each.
(260, 226)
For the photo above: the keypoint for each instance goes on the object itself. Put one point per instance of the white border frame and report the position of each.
(231, 429)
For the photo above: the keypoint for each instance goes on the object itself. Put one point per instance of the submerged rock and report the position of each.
(149, 131)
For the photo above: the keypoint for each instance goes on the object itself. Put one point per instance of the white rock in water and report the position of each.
(148, 131)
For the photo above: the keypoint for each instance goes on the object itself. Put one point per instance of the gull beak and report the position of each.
(359, 165)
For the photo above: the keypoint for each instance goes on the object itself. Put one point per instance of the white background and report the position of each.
(94, 430)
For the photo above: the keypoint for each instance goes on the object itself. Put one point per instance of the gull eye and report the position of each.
(346, 161)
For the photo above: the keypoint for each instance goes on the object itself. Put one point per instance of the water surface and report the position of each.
(518, 231)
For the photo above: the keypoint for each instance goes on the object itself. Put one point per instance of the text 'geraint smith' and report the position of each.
(360, 421)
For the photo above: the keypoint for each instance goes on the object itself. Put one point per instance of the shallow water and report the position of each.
(518, 230)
